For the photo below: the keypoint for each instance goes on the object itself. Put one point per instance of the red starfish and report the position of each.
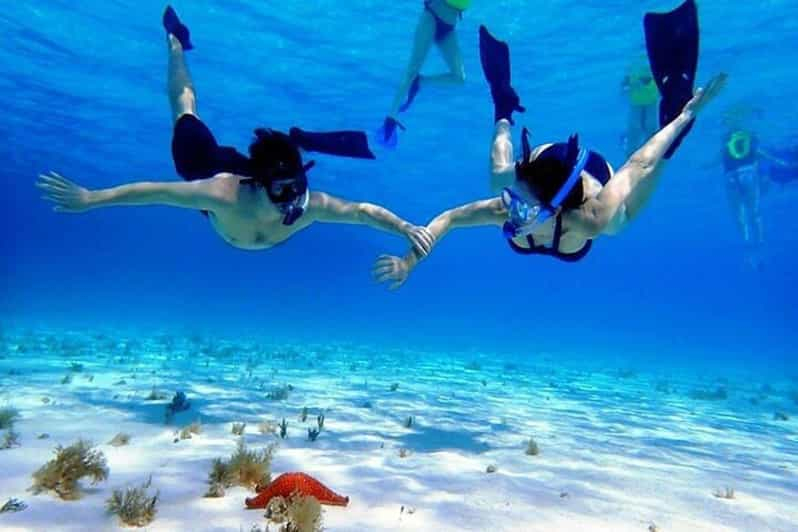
(289, 483)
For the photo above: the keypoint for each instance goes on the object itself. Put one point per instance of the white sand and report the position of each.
(616, 454)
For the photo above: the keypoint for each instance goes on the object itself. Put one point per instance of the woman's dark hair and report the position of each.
(546, 174)
(273, 155)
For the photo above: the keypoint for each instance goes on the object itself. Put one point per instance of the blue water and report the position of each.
(82, 92)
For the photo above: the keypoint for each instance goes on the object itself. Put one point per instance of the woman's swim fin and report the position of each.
(172, 24)
(672, 43)
(495, 57)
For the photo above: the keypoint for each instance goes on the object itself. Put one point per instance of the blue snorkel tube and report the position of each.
(523, 218)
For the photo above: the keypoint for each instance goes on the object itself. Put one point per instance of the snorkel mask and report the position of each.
(525, 218)
(289, 192)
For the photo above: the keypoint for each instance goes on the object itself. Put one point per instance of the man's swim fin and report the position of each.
(495, 58)
(172, 24)
(341, 143)
(672, 43)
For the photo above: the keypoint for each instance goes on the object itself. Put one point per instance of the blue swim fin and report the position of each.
(387, 135)
(172, 24)
(672, 43)
(495, 58)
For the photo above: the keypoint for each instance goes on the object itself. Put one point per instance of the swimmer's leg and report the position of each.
(422, 43)
(737, 208)
(182, 98)
(450, 50)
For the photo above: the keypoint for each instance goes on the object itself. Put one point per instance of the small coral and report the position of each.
(245, 468)
(409, 422)
(188, 430)
(13, 505)
(304, 415)
(720, 394)
(120, 439)
(283, 429)
(155, 395)
(532, 448)
(781, 416)
(394, 386)
(279, 393)
(238, 428)
(134, 506)
(61, 474)
(725, 493)
(267, 427)
(67, 379)
(313, 434)
(10, 439)
(295, 514)
(404, 452)
(8, 416)
(491, 469)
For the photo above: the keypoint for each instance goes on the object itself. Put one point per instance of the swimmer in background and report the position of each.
(435, 26)
(638, 85)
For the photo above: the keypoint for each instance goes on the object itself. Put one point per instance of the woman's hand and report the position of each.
(67, 196)
(389, 268)
(705, 95)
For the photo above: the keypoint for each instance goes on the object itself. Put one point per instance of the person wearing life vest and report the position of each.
(641, 90)
(744, 185)
(436, 26)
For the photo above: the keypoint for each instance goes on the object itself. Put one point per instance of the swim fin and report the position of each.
(353, 144)
(495, 58)
(672, 43)
(387, 135)
(412, 92)
(172, 24)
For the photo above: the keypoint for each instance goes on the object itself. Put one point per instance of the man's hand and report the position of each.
(420, 238)
(704, 96)
(390, 268)
(67, 196)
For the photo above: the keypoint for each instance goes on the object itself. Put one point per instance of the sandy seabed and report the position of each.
(620, 448)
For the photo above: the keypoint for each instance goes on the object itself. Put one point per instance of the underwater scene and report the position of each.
(437, 265)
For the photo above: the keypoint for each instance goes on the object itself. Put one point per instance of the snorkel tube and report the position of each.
(525, 218)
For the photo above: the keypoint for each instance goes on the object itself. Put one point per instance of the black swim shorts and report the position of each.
(197, 155)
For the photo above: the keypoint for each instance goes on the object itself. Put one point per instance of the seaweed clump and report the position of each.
(10, 439)
(120, 439)
(13, 505)
(8, 416)
(134, 506)
(62, 473)
(719, 394)
(532, 448)
(246, 468)
(295, 513)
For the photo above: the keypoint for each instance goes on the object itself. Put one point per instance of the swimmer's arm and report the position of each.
(205, 194)
(502, 161)
(489, 212)
(597, 214)
(326, 208)
(329, 209)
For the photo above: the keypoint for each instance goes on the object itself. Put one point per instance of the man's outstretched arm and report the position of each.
(329, 209)
(203, 194)
(490, 212)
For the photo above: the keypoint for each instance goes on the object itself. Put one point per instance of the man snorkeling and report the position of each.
(252, 202)
(559, 197)
(639, 87)
(435, 26)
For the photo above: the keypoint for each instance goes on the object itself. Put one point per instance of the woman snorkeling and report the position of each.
(436, 25)
(558, 197)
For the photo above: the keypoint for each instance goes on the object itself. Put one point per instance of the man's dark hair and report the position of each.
(273, 155)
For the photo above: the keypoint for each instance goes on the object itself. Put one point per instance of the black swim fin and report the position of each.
(172, 24)
(672, 43)
(341, 143)
(495, 58)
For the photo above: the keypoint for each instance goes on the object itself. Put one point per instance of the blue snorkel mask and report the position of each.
(524, 218)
